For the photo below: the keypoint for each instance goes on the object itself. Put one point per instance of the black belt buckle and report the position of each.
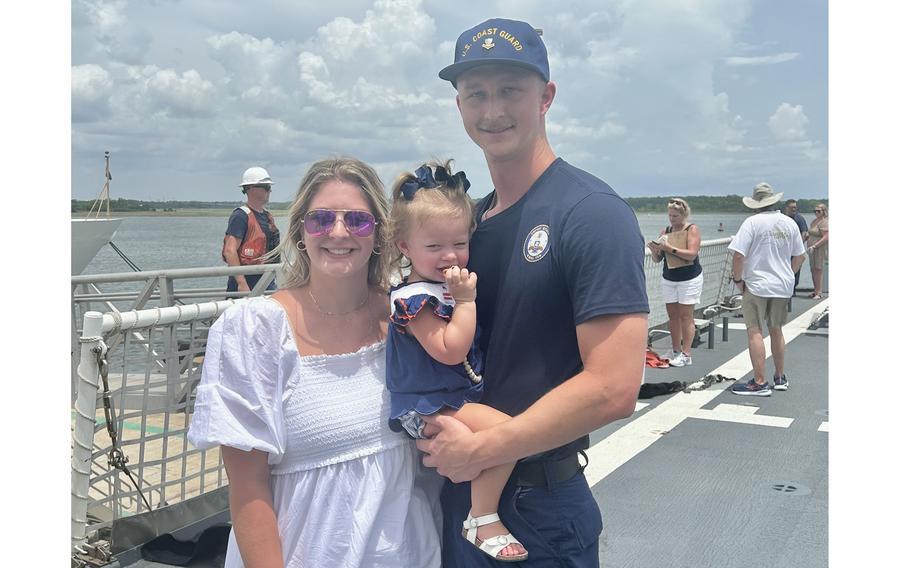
(543, 473)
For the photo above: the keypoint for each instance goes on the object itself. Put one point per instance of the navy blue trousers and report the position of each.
(559, 525)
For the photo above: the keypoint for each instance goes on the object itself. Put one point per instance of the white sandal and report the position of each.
(491, 546)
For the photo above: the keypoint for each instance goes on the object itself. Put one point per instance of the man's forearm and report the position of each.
(602, 393)
(233, 259)
(572, 410)
(737, 272)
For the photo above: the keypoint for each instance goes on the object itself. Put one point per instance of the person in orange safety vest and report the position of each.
(251, 230)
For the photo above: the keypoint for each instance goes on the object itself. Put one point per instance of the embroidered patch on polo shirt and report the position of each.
(537, 243)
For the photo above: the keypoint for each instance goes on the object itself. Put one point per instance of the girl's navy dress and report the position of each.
(416, 380)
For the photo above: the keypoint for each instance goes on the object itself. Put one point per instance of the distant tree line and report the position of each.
(698, 203)
(709, 203)
(124, 205)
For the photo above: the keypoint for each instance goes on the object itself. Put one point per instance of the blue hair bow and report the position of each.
(427, 178)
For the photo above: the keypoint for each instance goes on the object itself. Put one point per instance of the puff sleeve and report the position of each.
(246, 377)
(406, 309)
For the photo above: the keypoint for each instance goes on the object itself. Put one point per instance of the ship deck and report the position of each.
(709, 478)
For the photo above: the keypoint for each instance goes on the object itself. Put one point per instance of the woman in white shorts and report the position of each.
(677, 247)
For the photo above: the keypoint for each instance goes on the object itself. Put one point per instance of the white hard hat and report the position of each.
(255, 176)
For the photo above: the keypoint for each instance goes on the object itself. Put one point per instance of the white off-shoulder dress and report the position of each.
(347, 491)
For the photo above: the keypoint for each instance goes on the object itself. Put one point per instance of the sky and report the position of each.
(656, 97)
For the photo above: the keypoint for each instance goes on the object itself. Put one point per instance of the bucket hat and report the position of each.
(762, 196)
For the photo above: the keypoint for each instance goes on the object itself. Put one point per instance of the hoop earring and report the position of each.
(377, 252)
(300, 248)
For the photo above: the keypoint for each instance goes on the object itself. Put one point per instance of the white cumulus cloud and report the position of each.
(180, 93)
(392, 29)
(788, 122)
(90, 82)
(761, 60)
(91, 88)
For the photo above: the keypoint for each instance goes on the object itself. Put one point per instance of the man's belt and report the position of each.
(540, 473)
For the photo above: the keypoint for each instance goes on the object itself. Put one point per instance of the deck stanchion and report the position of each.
(84, 427)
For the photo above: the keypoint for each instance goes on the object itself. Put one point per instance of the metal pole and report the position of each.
(84, 428)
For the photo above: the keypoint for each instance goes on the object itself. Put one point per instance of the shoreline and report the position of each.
(176, 213)
(284, 212)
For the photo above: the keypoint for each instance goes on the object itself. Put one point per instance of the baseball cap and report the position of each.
(499, 41)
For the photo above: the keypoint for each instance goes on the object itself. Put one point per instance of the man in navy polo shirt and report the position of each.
(561, 303)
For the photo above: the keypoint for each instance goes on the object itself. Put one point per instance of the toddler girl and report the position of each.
(432, 362)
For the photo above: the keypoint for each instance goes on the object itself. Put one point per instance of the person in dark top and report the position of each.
(246, 241)
(677, 247)
(791, 210)
(561, 305)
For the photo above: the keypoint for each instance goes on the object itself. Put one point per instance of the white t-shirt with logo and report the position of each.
(768, 240)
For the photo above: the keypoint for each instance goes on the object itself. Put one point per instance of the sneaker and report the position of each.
(752, 388)
(680, 360)
(669, 355)
(781, 383)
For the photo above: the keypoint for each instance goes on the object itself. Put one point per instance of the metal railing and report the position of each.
(126, 291)
(130, 452)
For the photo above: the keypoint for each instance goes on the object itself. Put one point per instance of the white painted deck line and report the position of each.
(823, 427)
(627, 442)
(742, 415)
(735, 325)
(640, 405)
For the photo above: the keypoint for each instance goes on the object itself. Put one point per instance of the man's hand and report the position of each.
(450, 450)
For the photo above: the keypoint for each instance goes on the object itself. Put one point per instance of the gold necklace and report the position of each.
(328, 313)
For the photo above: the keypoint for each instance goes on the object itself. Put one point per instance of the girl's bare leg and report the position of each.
(486, 488)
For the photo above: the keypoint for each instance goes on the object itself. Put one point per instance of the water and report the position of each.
(157, 243)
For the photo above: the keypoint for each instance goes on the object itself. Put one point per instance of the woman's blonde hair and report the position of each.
(823, 207)
(413, 207)
(679, 205)
(295, 264)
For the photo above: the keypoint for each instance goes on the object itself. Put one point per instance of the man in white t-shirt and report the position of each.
(767, 250)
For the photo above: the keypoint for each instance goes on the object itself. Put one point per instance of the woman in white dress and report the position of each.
(292, 391)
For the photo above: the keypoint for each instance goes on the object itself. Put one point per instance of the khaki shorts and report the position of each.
(757, 309)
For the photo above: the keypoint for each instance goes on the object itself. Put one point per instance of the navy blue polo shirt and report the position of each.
(569, 250)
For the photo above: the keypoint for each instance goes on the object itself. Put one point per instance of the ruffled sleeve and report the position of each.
(246, 376)
(406, 309)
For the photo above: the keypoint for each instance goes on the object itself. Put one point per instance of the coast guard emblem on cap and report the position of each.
(537, 243)
(488, 43)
